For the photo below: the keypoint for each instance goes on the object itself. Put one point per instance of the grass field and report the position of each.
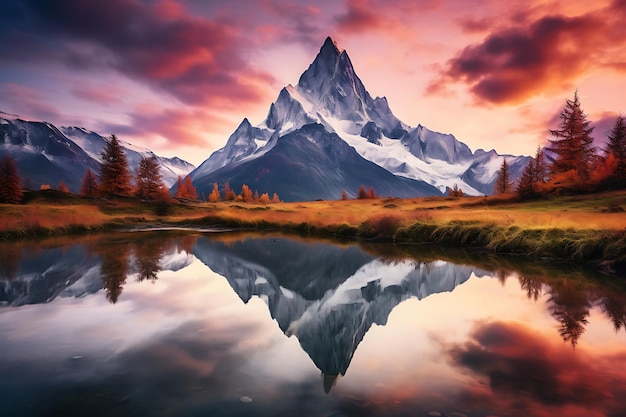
(587, 227)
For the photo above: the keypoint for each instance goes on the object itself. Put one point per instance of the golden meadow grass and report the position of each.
(579, 227)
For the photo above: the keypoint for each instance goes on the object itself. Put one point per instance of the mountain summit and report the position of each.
(330, 104)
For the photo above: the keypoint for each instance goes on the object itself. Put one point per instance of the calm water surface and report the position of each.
(163, 324)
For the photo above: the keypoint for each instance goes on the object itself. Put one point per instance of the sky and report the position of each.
(178, 76)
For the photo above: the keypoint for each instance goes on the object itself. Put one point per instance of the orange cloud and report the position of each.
(527, 374)
(515, 63)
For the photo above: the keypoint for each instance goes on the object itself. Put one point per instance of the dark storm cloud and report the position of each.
(517, 62)
(198, 60)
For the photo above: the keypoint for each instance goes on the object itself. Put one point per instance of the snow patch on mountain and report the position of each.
(330, 93)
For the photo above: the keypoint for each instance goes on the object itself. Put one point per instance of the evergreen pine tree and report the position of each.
(10, 182)
(503, 179)
(616, 146)
(572, 149)
(526, 184)
(114, 173)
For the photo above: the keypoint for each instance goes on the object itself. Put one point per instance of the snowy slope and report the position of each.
(45, 154)
(93, 144)
(330, 93)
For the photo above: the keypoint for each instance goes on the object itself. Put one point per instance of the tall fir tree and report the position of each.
(149, 181)
(114, 172)
(616, 146)
(503, 179)
(572, 149)
(10, 182)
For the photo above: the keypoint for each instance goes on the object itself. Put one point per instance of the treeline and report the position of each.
(246, 195)
(116, 179)
(570, 162)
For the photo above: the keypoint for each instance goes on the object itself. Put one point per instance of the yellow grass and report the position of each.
(428, 210)
(584, 212)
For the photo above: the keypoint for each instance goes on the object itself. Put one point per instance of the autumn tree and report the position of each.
(214, 197)
(572, 149)
(10, 182)
(149, 181)
(361, 193)
(185, 188)
(275, 198)
(616, 147)
(503, 179)
(229, 194)
(114, 173)
(89, 186)
(455, 191)
(344, 195)
(62, 187)
(535, 174)
(246, 193)
(264, 199)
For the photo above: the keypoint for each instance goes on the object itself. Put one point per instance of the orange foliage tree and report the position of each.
(185, 188)
(246, 193)
(114, 173)
(214, 197)
(572, 149)
(62, 187)
(229, 194)
(149, 179)
(89, 186)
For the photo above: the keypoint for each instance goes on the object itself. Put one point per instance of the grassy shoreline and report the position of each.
(581, 229)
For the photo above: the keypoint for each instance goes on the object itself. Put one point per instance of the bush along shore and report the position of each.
(604, 249)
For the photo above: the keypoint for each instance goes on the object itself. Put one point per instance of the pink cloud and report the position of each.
(528, 374)
(26, 102)
(196, 59)
(517, 62)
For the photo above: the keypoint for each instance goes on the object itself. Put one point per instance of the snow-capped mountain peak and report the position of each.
(330, 93)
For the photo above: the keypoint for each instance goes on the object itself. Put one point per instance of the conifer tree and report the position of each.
(114, 173)
(362, 193)
(229, 194)
(62, 187)
(572, 149)
(503, 179)
(616, 146)
(275, 198)
(149, 180)
(10, 182)
(214, 197)
(185, 188)
(525, 186)
(190, 190)
(265, 198)
(89, 186)
(246, 193)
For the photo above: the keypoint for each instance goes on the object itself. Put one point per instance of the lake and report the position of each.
(223, 324)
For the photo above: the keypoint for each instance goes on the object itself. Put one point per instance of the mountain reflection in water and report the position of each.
(329, 297)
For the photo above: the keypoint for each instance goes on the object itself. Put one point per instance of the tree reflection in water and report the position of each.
(121, 257)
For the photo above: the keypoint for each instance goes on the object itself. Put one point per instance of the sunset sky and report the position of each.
(178, 76)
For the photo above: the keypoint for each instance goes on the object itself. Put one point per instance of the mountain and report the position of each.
(326, 296)
(331, 101)
(45, 154)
